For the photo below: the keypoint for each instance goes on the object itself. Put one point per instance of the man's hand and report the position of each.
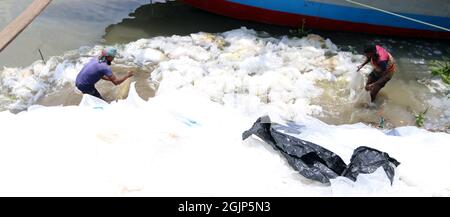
(104, 77)
(359, 68)
(118, 81)
(362, 65)
(369, 87)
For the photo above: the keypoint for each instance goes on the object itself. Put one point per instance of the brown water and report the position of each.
(69, 95)
(396, 103)
(64, 25)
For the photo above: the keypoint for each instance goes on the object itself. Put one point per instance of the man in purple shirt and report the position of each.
(96, 69)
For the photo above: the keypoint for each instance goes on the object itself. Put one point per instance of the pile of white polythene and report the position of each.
(181, 143)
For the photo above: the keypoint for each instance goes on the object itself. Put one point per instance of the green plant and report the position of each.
(352, 50)
(442, 69)
(382, 122)
(420, 118)
(300, 32)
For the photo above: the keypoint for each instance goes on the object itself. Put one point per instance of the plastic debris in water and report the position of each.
(382, 124)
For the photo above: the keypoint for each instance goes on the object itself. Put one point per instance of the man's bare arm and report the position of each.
(362, 65)
(118, 81)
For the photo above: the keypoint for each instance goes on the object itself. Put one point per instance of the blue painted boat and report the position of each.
(411, 18)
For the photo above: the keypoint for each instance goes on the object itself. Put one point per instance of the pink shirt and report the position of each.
(383, 56)
(382, 53)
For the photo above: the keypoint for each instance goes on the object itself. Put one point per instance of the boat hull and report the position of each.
(302, 14)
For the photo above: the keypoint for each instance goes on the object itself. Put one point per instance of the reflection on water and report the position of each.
(175, 18)
(64, 25)
(10, 8)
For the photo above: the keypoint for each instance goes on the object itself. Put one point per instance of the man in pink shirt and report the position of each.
(384, 67)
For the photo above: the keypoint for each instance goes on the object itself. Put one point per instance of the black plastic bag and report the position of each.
(315, 162)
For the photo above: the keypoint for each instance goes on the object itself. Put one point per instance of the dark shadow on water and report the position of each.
(176, 18)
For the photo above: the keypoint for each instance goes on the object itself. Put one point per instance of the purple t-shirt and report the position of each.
(92, 72)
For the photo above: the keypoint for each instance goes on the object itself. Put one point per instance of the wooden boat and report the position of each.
(411, 18)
